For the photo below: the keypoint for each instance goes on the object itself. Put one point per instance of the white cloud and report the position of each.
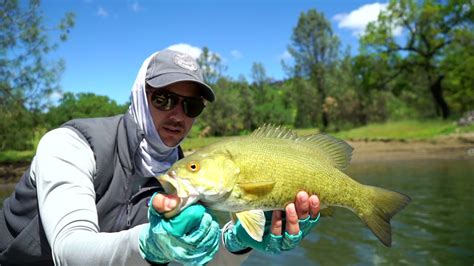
(286, 56)
(358, 19)
(193, 51)
(236, 54)
(136, 7)
(101, 12)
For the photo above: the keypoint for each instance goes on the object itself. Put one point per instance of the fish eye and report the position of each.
(194, 166)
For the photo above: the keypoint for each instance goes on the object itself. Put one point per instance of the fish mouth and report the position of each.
(184, 191)
(168, 184)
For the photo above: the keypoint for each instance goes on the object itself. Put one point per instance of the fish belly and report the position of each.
(290, 169)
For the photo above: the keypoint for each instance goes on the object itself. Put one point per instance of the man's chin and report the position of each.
(171, 140)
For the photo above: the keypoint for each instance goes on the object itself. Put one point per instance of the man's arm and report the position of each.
(63, 170)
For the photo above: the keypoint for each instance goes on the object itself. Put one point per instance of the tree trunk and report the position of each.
(437, 92)
(324, 113)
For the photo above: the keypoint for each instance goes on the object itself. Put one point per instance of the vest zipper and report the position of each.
(129, 208)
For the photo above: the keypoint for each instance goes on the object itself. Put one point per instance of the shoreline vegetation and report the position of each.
(396, 141)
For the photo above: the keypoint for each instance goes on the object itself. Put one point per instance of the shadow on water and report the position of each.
(436, 228)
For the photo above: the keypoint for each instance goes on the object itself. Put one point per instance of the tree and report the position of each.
(27, 78)
(82, 105)
(222, 117)
(260, 79)
(458, 64)
(429, 30)
(211, 65)
(315, 48)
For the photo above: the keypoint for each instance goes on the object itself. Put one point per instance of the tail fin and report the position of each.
(383, 205)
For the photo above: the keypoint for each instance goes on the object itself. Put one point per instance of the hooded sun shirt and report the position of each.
(153, 157)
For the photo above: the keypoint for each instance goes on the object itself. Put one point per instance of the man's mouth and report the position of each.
(172, 129)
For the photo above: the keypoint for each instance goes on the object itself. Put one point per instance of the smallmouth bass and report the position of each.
(265, 170)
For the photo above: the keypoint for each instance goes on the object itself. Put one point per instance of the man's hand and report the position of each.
(191, 237)
(300, 211)
(282, 233)
(164, 203)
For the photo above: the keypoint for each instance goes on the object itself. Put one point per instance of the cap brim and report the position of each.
(171, 78)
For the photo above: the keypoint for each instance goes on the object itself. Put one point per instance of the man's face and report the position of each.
(174, 125)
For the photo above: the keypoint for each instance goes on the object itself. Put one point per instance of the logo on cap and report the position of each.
(185, 61)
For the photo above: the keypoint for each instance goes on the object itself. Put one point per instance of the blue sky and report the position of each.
(112, 38)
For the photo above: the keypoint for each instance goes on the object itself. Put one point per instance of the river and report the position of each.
(436, 228)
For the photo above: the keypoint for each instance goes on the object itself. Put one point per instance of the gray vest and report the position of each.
(114, 141)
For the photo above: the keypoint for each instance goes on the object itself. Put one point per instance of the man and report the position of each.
(90, 196)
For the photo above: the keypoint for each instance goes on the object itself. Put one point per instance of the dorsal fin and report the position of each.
(336, 149)
(272, 131)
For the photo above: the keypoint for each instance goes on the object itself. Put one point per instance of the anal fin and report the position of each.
(253, 222)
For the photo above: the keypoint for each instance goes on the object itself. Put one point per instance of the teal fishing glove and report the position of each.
(192, 237)
(237, 239)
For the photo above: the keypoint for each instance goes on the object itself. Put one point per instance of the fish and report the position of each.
(247, 175)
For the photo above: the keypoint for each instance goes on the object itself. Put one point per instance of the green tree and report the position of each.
(247, 104)
(306, 101)
(345, 101)
(211, 65)
(222, 117)
(260, 80)
(458, 64)
(82, 105)
(27, 77)
(315, 49)
(429, 30)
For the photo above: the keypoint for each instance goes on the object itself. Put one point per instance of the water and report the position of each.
(435, 229)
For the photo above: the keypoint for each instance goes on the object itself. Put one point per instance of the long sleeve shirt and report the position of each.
(63, 171)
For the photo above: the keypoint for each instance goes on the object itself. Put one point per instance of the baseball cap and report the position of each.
(168, 67)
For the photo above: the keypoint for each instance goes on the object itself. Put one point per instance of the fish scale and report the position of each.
(300, 173)
(265, 171)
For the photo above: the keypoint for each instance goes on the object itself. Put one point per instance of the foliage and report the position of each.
(315, 49)
(211, 65)
(82, 105)
(12, 156)
(27, 77)
(458, 64)
(222, 116)
(241, 107)
(393, 78)
(430, 30)
(16, 124)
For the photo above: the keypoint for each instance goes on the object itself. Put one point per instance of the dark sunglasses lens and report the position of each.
(193, 107)
(164, 101)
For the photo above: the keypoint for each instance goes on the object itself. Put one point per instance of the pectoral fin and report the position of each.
(257, 188)
(253, 222)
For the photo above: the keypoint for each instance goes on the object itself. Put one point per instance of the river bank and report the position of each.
(452, 147)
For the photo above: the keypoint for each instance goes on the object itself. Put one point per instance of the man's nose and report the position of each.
(178, 110)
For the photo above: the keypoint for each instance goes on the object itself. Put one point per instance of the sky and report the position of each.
(112, 38)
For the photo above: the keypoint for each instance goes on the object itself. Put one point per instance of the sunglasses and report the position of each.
(165, 100)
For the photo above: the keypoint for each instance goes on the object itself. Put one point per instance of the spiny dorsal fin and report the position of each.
(337, 150)
(272, 131)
